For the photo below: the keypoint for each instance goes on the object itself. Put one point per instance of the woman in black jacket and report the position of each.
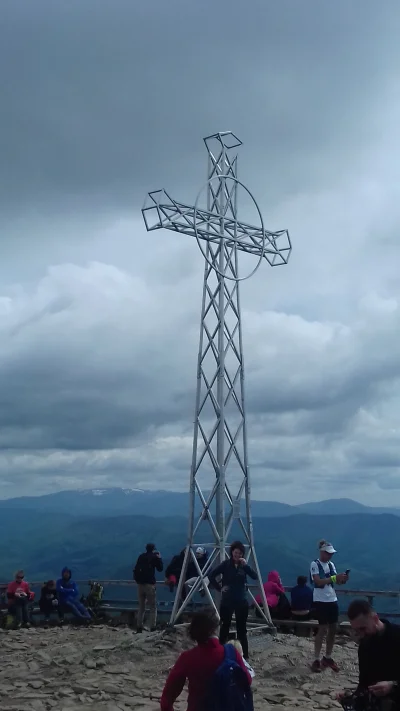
(233, 587)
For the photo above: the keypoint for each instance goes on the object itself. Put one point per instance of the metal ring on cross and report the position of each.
(224, 178)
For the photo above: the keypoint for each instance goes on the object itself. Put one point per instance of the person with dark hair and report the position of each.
(233, 586)
(174, 569)
(301, 599)
(48, 602)
(324, 577)
(198, 665)
(144, 574)
(378, 655)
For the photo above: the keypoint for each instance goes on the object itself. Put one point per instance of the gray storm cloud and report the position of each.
(103, 101)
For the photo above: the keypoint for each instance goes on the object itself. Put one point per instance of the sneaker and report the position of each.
(329, 664)
(316, 666)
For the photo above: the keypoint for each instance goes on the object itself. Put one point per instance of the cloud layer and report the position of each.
(99, 319)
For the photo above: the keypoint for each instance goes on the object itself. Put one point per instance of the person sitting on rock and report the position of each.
(302, 599)
(192, 574)
(19, 596)
(198, 665)
(278, 603)
(68, 596)
(48, 602)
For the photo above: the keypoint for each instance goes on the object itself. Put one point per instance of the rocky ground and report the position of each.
(113, 669)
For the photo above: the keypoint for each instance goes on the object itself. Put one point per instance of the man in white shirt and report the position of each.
(324, 576)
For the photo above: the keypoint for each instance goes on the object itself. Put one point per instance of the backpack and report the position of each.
(321, 571)
(229, 689)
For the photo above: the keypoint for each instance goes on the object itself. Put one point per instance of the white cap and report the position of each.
(200, 551)
(328, 548)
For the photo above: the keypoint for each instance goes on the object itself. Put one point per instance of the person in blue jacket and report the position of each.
(68, 596)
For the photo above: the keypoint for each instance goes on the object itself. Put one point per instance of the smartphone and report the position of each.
(347, 572)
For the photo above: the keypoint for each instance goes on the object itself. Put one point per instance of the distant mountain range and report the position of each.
(118, 502)
(99, 533)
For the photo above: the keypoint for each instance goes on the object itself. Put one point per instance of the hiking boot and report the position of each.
(139, 630)
(316, 666)
(153, 629)
(329, 664)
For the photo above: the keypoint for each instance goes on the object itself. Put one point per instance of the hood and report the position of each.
(274, 577)
(66, 570)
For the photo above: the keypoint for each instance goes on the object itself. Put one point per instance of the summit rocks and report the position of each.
(113, 669)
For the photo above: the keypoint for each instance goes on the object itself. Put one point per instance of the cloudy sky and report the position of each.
(103, 100)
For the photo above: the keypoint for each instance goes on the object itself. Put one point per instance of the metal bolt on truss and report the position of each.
(220, 495)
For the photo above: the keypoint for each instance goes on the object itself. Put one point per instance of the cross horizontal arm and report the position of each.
(162, 212)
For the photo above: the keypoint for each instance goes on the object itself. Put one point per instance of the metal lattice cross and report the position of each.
(220, 459)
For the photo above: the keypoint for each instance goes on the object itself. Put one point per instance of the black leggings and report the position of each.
(241, 610)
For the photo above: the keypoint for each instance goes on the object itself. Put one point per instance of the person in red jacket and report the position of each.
(19, 595)
(198, 665)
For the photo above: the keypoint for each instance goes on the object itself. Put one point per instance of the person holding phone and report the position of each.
(233, 586)
(144, 574)
(324, 577)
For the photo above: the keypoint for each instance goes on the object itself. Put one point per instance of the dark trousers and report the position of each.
(20, 609)
(47, 609)
(241, 610)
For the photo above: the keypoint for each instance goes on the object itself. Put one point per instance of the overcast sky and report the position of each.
(104, 100)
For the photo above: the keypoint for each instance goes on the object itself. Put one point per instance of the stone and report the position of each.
(90, 663)
(104, 647)
(36, 684)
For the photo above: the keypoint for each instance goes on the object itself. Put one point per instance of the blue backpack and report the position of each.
(321, 571)
(229, 689)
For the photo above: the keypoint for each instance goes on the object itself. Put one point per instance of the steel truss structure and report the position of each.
(220, 495)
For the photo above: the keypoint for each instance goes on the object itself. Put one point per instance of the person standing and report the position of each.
(199, 665)
(324, 577)
(144, 574)
(233, 587)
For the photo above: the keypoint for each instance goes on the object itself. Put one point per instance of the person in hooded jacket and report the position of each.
(277, 601)
(68, 596)
(144, 574)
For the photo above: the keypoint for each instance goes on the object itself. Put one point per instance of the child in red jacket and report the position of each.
(19, 595)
